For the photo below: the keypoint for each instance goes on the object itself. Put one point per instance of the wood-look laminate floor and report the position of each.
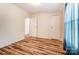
(34, 46)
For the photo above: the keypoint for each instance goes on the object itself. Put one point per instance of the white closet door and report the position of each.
(33, 26)
(54, 27)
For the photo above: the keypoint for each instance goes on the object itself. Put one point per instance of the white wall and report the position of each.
(12, 28)
(43, 23)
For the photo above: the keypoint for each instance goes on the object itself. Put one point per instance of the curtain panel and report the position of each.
(71, 29)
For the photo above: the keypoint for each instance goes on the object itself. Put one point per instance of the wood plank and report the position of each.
(34, 46)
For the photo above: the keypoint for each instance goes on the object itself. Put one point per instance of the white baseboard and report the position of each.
(10, 42)
(46, 38)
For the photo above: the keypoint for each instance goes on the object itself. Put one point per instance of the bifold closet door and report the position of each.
(33, 26)
(54, 27)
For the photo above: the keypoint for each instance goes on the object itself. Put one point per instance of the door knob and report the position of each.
(51, 27)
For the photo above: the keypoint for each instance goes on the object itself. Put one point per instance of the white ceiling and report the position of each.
(43, 7)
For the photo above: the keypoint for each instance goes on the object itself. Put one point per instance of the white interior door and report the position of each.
(54, 27)
(27, 23)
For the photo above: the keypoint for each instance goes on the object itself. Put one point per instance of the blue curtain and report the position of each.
(71, 29)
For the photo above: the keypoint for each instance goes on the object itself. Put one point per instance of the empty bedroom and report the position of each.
(32, 28)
